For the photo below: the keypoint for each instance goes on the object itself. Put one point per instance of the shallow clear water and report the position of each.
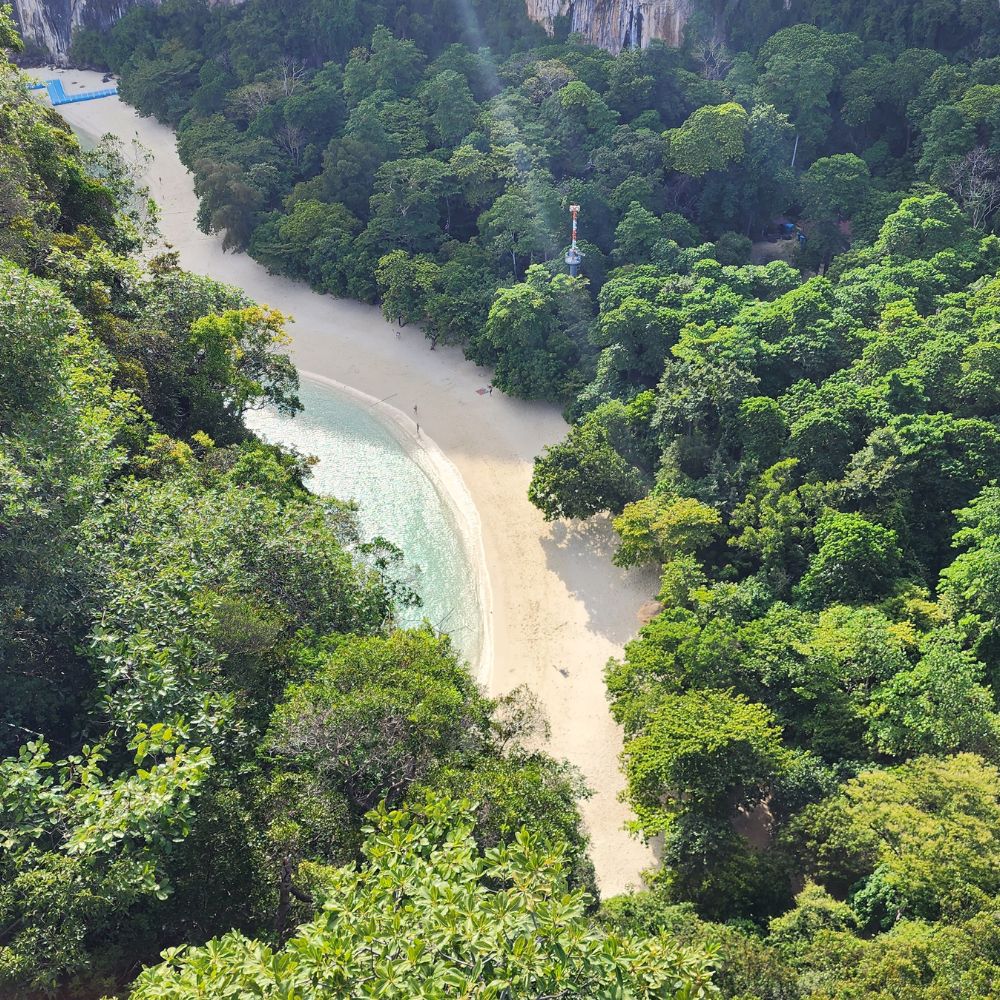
(360, 459)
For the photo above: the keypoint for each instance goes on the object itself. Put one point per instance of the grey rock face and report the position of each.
(49, 24)
(611, 24)
(617, 24)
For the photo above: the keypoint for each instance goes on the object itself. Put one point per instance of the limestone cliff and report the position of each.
(48, 25)
(613, 24)
(617, 24)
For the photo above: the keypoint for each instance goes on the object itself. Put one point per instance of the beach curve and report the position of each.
(452, 490)
(556, 608)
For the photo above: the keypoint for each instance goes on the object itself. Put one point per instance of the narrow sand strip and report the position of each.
(560, 608)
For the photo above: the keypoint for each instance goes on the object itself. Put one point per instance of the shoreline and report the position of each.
(454, 494)
(560, 608)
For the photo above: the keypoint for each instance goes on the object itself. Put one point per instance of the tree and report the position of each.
(227, 204)
(512, 226)
(481, 177)
(774, 521)
(763, 429)
(509, 789)
(940, 706)
(579, 121)
(385, 930)
(312, 241)
(821, 442)
(406, 206)
(9, 37)
(636, 235)
(975, 182)
(661, 528)
(236, 368)
(396, 63)
(915, 957)
(701, 752)
(800, 66)
(81, 846)
(834, 187)
(382, 714)
(453, 108)
(588, 474)
(922, 227)
(406, 284)
(970, 583)
(908, 841)
(816, 912)
(642, 331)
(765, 176)
(856, 560)
(538, 329)
(710, 139)
(63, 425)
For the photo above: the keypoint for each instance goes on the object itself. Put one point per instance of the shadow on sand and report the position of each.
(572, 549)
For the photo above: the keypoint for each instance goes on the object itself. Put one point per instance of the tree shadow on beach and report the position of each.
(580, 554)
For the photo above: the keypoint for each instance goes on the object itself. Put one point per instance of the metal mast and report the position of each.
(573, 254)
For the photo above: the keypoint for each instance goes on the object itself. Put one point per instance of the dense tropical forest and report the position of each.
(807, 447)
(210, 724)
(427, 162)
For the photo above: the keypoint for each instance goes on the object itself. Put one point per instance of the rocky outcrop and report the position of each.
(47, 25)
(617, 24)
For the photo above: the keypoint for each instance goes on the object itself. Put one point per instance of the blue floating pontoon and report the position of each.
(59, 96)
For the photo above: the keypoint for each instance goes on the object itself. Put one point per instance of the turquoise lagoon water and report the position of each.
(361, 460)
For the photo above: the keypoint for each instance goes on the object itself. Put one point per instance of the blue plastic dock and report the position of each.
(59, 96)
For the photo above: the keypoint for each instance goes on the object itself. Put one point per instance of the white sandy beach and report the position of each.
(556, 608)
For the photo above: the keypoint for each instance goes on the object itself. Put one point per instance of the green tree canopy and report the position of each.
(509, 925)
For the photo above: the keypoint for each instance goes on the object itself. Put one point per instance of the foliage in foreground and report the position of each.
(428, 913)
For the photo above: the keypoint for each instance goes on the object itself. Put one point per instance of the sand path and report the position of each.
(555, 605)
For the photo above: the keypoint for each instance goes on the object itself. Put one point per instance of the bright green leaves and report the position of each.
(407, 284)
(9, 37)
(919, 836)
(702, 752)
(80, 845)
(36, 328)
(238, 367)
(856, 560)
(430, 914)
(658, 529)
(940, 706)
(710, 139)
